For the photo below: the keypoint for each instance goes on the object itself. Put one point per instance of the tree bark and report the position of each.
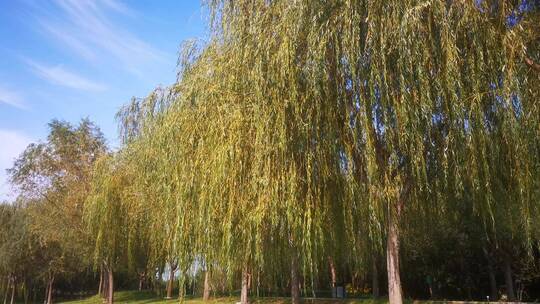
(110, 289)
(25, 292)
(392, 256)
(50, 290)
(13, 286)
(46, 294)
(244, 299)
(171, 280)
(34, 294)
(7, 290)
(100, 287)
(105, 287)
(295, 288)
(333, 276)
(142, 278)
(508, 279)
(206, 293)
(375, 278)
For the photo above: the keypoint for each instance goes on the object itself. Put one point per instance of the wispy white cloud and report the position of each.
(14, 144)
(60, 76)
(12, 98)
(70, 41)
(119, 7)
(89, 29)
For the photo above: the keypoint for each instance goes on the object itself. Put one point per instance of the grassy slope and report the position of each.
(148, 298)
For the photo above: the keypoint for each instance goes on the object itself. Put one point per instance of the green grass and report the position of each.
(137, 297)
(141, 297)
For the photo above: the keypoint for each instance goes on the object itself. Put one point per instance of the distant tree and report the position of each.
(54, 177)
(20, 252)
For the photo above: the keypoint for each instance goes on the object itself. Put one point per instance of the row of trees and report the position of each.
(304, 144)
(44, 237)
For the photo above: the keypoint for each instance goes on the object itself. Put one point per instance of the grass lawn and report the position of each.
(137, 297)
(141, 297)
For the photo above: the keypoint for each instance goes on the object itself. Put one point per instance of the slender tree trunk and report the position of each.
(46, 293)
(105, 287)
(13, 286)
(392, 257)
(206, 293)
(158, 282)
(170, 286)
(142, 277)
(508, 279)
(49, 293)
(244, 299)
(50, 290)
(7, 290)
(171, 280)
(100, 286)
(295, 288)
(333, 276)
(375, 278)
(110, 295)
(25, 292)
(34, 294)
(182, 285)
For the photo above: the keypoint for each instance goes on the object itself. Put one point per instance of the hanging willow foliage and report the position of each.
(300, 121)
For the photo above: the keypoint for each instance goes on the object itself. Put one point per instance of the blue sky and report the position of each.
(70, 59)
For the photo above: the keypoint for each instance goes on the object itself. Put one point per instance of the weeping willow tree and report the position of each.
(165, 181)
(114, 218)
(302, 119)
(381, 93)
(438, 98)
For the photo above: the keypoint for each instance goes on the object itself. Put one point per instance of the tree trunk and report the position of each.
(492, 282)
(34, 294)
(333, 276)
(206, 293)
(50, 290)
(295, 289)
(142, 278)
(508, 278)
(25, 292)
(392, 257)
(171, 281)
(105, 287)
(46, 294)
(244, 299)
(7, 290)
(13, 286)
(110, 289)
(158, 282)
(375, 278)
(100, 286)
